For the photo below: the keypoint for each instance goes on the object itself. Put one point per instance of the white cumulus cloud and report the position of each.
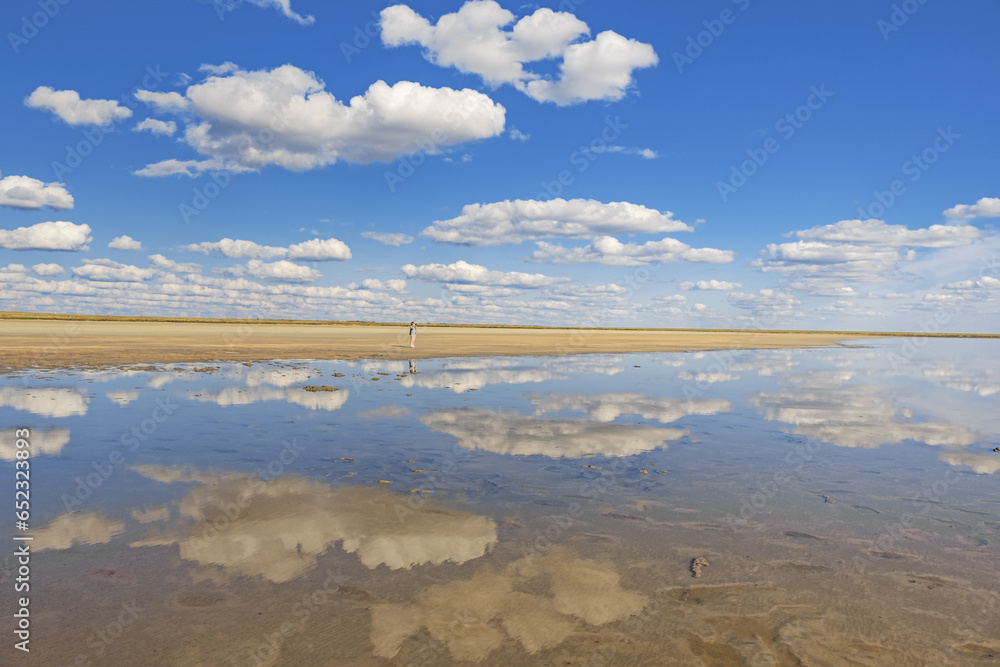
(236, 248)
(319, 250)
(485, 291)
(164, 264)
(395, 285)
(30, 193)
(474, 274)
(984, 282)
(475, 39)
(765, 303)
(856, 250)
(597, 70)
(393, 239)
(157, 126)
(717, 285)
(106, 270)
(171, 101)
(286, 117)
(609, 250)
(189, 168)
(281, 271)
(70, 108)
(987, 207)
(877, 232)
(124, 242)
(314, 250)
(47, 269)
(59, 235)
(518, 220)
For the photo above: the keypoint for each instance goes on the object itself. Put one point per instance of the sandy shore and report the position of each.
(55, 343)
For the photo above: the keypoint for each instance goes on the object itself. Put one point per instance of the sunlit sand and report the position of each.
(26, 343)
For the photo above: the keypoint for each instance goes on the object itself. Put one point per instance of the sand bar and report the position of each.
(64, 343)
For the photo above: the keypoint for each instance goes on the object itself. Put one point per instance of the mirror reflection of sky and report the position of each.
(411, 464)
(516, 421)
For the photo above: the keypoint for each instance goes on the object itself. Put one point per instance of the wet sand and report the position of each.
(771, 596)
(62, 343)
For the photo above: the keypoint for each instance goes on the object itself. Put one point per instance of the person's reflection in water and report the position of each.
(413, 367)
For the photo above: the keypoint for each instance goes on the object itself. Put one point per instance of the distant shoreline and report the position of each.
(41, 341)
(75, 317)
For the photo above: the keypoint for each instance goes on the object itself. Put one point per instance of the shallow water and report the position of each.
(515, 510)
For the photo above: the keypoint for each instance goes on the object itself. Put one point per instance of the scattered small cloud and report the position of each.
(155, 126)
(284, 7)
(164, 264)
(647, 153)
(718, 285)
(519, 220)
(24, 192)
(59, 235)
(314, 250)
(219, 70)
(987, 207)
(612, 252)
(281, 271)
(47, 269)
(475, 40)
(247, 120)
(395, 285)
(462, 272)
(766, 303)
(106, 270)
(393, 239)
(124, 243)
(67, 105)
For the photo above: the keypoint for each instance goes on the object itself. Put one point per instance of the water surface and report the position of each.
(516, 510)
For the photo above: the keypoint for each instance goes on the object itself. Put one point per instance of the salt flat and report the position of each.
(54, 343)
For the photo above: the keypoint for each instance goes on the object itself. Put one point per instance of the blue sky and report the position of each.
(715, 164)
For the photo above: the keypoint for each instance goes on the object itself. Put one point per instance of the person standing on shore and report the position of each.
(413, 333)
